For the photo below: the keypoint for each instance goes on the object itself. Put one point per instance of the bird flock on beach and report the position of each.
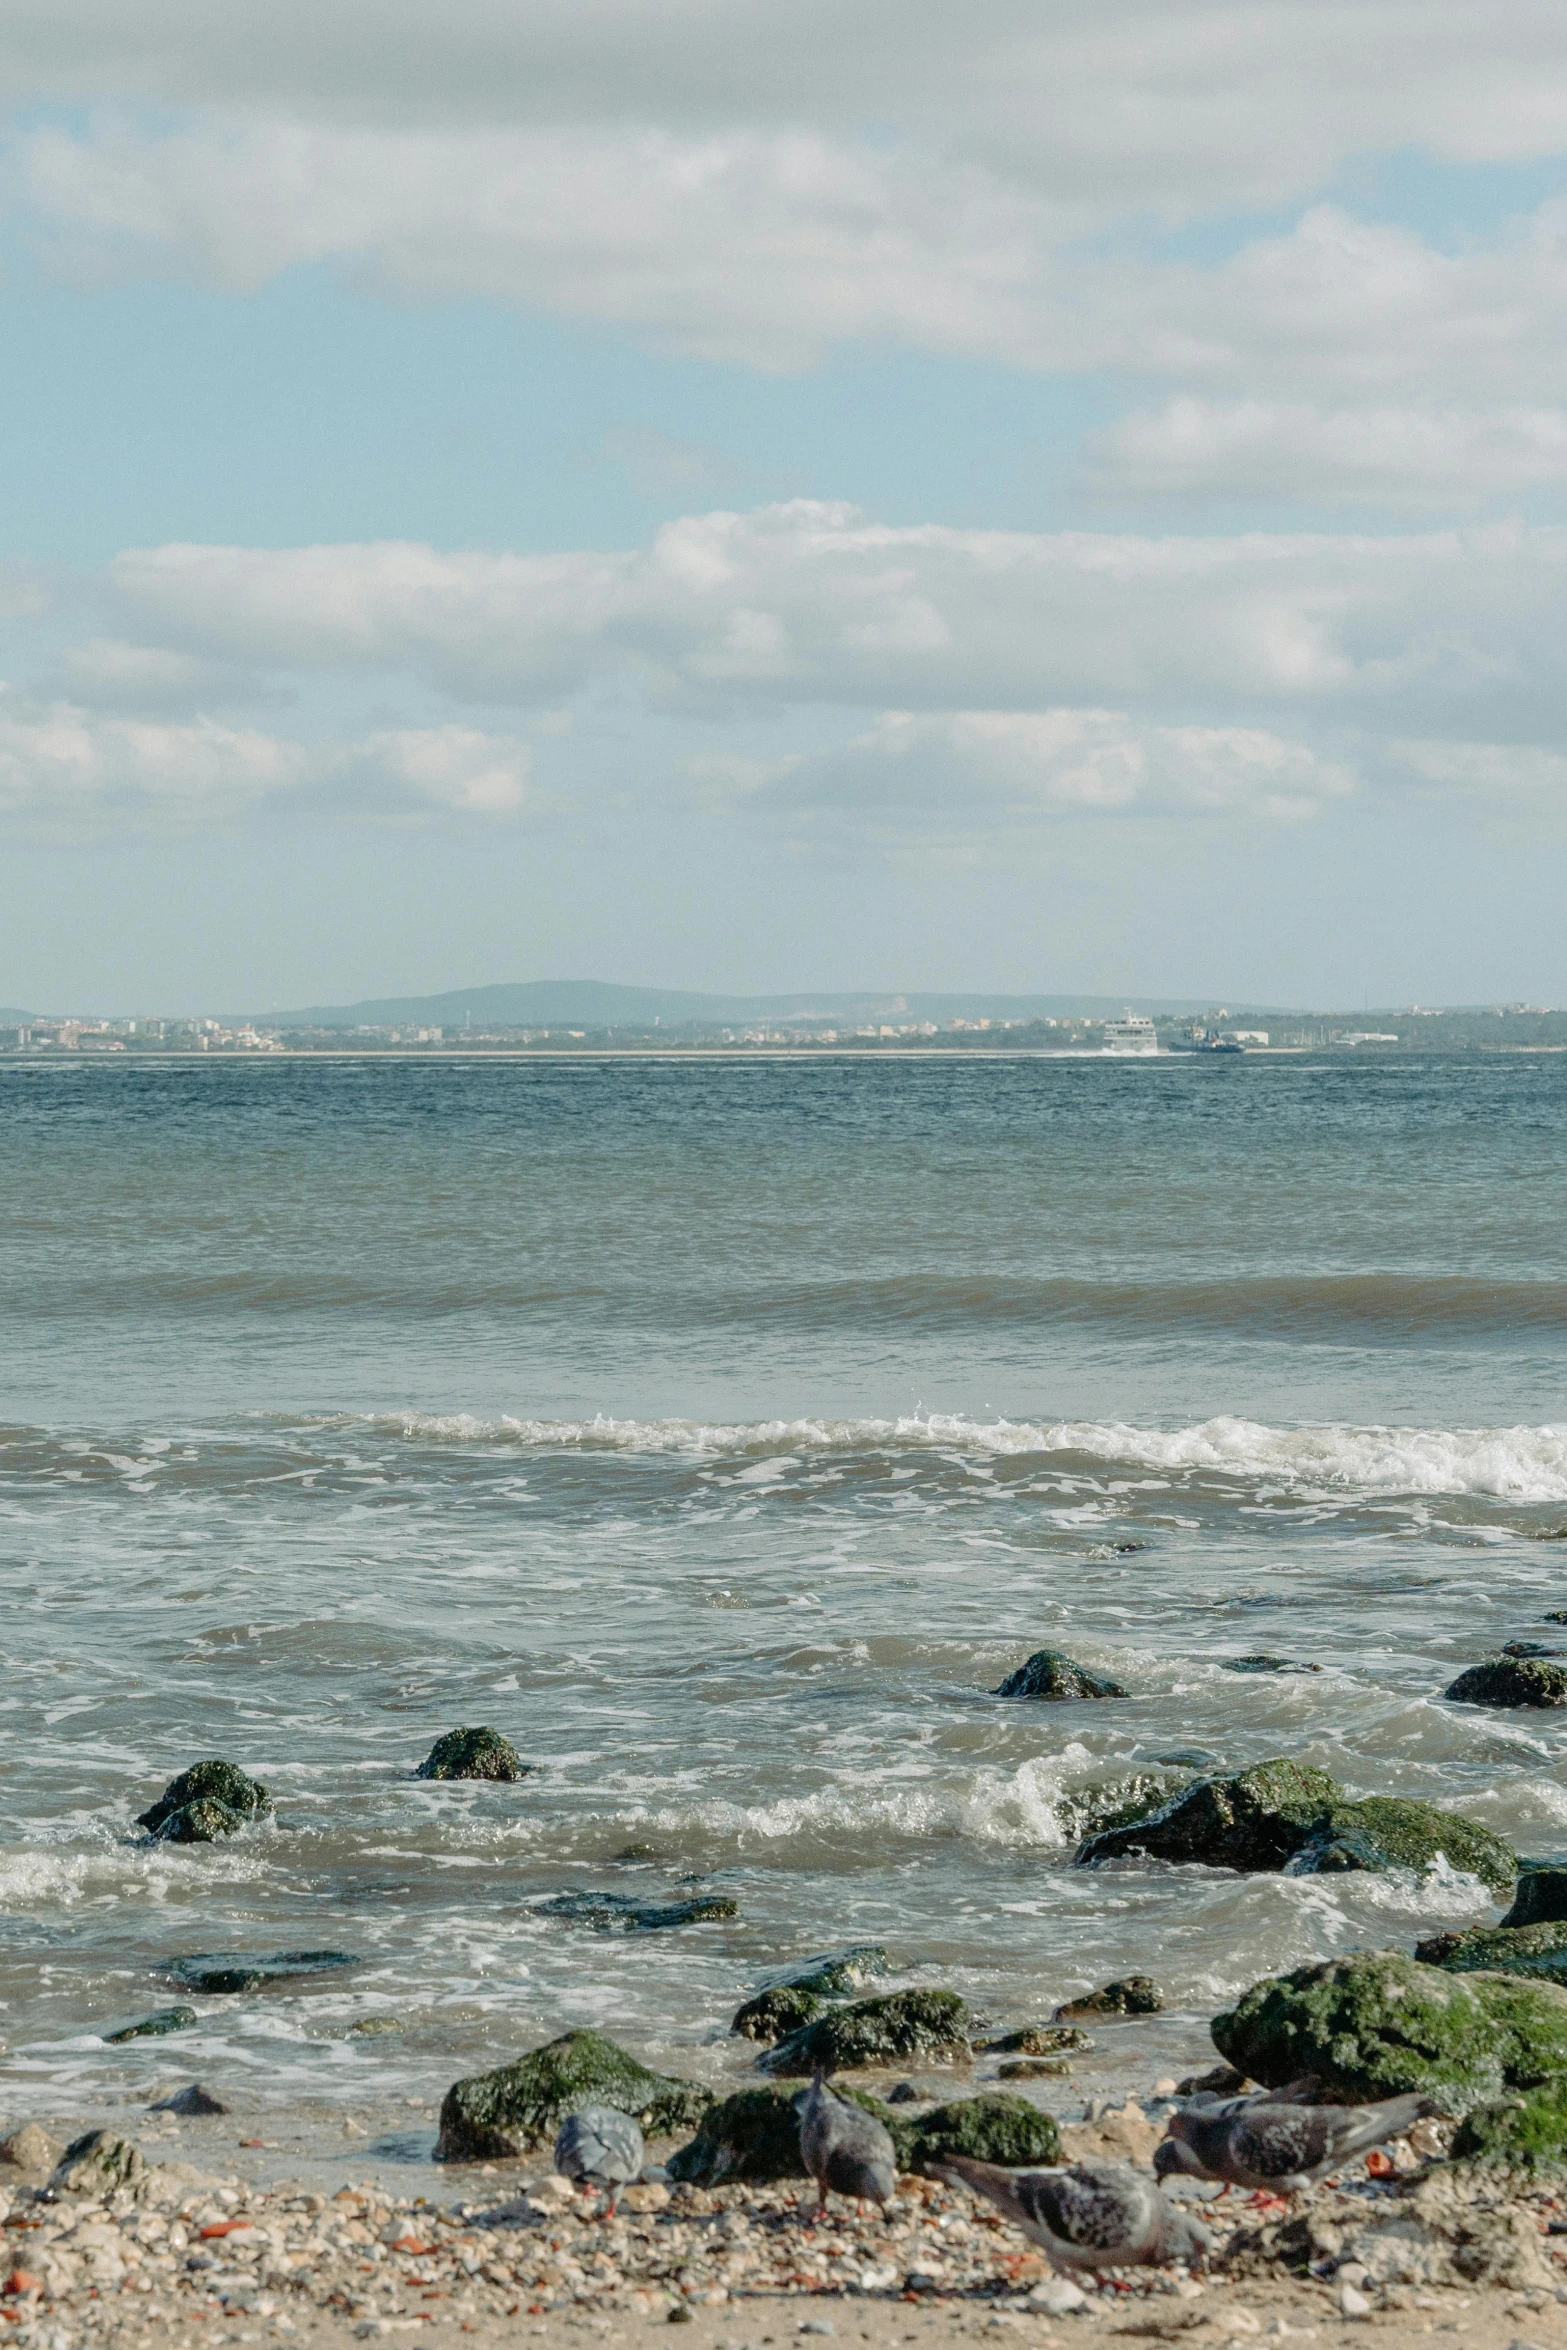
(1082, 2215)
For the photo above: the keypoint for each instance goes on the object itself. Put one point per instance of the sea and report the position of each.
(722, 1430)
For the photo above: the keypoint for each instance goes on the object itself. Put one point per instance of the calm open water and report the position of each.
(722, 1432)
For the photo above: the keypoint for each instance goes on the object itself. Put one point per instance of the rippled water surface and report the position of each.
(723, 1433)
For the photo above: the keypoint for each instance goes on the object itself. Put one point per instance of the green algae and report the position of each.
(490, 2116)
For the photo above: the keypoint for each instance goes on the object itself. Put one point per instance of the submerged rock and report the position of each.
(253, 1970)
(887, 2030)
(1034, 2040)
(831, 1974)
(1034, 2068)
(1134, 1995)
(773, 2014)
(96, 2164)
(192, 2100)
(473, 1754)
(153, 2027)
(490, 2116)
(1266, 1664)
(1111, 1803)
(1541, 1896)
(1511, 1681)
(622, 1913)
(1507, 1950)
(1048, 1673)
(1379, 2022)
(1280, 1815)
(210, 1800)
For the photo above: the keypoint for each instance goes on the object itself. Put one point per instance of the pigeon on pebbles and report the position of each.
(1277, 2140)
(1087, 2214)
(601, 2147)
(844, 2148)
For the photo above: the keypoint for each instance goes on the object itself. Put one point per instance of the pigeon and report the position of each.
(1087, 2214)
(1277, 2141)
(843, 2147)
(602, 2147)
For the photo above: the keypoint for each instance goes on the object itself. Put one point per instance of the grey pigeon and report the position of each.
(601, 2146)
(1276, 2142)
(1087, 2214)
(843, 2147)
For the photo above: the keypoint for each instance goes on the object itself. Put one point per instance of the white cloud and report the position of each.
(1156, 104)
(810, 603)
(965, 771)
(1202, 449)
(68, 772)
(1517, 771)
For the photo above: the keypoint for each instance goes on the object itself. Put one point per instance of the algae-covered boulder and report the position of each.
(1280, 1815)
(771, 2015)
(1048, 1673)
(1541, 1897)
(793, 1995)
(1133, 1995)
(210, 1800)
(489, 2116)
(1527, 2132)
(887, 2030)
(473, 1754)
(1507, 1950)
(1379, 2022)
(1510, 1681)
(994, 2128)
(756, 2135)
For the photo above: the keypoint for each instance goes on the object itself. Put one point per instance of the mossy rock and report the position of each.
(1506, 1950)
(886, 2030)
(1134, 1995)
(1511, 1681)
(155, 2027)
(1035, 2040)
(490, 2116)
(1527, 2133)
(756, 2135)
(1048, 1673)
(1541, 1896)
(473, 1754)
(1280, 1815)
(97, 2163)
(771, 2015)
(1034, 2068)
(210, 1800)
(994, 2128)
(1379, 2022)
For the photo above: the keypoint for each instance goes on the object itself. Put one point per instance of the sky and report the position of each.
(745, 494)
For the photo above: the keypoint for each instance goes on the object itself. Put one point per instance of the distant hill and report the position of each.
(593, 1003)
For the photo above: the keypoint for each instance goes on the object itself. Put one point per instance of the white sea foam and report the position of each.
(1518, 1464)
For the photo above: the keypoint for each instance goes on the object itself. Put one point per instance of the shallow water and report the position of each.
(723, 1434)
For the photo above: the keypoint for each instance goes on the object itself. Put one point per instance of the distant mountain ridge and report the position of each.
(595, 1003)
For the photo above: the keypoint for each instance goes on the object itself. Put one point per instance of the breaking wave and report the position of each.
(1517, 1464)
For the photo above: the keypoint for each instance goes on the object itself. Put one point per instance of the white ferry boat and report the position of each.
(1134, 1034)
